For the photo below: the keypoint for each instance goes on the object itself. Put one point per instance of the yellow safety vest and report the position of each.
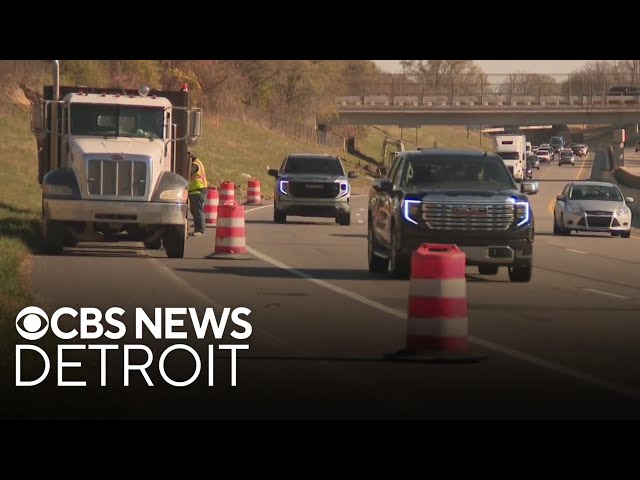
(198, 179)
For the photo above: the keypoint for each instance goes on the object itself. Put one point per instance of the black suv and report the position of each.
(457, 197)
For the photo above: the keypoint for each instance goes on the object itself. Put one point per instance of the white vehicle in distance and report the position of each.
(593, 207)
(544, 155)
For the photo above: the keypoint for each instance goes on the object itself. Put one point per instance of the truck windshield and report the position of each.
(116, 120)
(454, 171)
(329, 165)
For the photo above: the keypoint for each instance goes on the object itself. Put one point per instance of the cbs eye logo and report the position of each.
(35, 323)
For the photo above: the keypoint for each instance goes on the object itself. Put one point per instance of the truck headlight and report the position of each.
(411, 210)
(522, 213)
(283, 187)
(344, 189)
(174, 195)
(50, 189)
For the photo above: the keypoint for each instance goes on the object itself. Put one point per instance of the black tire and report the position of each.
(520, 272)
(399, 264)
(376, 264)
(564, 231)
(626, 234)
(174, 240)
(615, 234)
(53, 237)
(279, 217)
(488, 269)
(344, 218)
(153, 244)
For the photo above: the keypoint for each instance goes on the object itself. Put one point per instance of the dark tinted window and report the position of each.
(453, 171)
(328, 165)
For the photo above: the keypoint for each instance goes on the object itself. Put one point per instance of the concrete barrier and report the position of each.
(435, 100)
(524, 100)
(466, 100)
(628, 183)
(399, 100)
(376, 100)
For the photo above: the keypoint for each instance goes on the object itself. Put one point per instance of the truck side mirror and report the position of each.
(383, 185)
(560, 198)
(529, 188)
(382, 171)
(353, 174)
(195, 125)
(272, 172)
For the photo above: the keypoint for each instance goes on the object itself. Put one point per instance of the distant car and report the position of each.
(534, 160)
(624, 90)
(534, 149)
(592, 206)
(637, 146)
(528, 172)
(544, 155)
(567, 156)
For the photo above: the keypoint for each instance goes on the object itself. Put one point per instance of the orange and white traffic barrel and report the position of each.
(230, 233)
(211, 208)
(253, 193)
(227, 192)
(437, 317)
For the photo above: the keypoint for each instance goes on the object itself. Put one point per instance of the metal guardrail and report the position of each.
(488, 101)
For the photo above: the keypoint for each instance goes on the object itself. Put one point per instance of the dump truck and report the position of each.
(113, 164)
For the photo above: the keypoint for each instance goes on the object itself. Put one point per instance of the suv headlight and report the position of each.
(522, 213)
(283, 187)
(411, 210)
(344, 188)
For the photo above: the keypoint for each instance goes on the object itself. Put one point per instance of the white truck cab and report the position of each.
(513, 151)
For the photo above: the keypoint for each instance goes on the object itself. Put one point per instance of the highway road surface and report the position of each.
(565, 345)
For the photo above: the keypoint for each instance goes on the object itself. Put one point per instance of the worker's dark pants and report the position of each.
(196, 205)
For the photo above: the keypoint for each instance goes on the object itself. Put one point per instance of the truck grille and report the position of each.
(314, 189)
(468, 216)
(118, 178)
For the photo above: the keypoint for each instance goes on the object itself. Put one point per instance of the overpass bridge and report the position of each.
(518, 99)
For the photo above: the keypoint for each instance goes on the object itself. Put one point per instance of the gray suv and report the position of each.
(312, 185)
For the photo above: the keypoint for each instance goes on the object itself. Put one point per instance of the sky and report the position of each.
(507, 66)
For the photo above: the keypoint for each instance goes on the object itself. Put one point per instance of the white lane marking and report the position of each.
(606, 293)
(576, 251)
(576, 374)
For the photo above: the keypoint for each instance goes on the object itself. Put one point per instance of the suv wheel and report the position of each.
(399, 263)
(53, 233)
(376, 264)
(520, 272)
(626, 234)
(279, 217)
(344, 218)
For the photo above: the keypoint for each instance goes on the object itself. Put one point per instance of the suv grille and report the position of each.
(468, 216)
(123, 178)
(314, 189)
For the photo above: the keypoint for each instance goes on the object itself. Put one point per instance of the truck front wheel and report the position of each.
(173, 241)
(53, 236)
(520, 272)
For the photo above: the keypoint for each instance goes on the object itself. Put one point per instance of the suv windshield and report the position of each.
(595, 192)
(453, 171)
(116, 120)
(327, 166)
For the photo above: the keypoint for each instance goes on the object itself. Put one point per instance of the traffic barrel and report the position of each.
(437, 323)
(230, 233)
(227, 192)
(253, 193)
(211, 207)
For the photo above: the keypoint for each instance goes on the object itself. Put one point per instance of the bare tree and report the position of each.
(441, 77)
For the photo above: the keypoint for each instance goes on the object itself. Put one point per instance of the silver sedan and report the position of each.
(592, 206)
